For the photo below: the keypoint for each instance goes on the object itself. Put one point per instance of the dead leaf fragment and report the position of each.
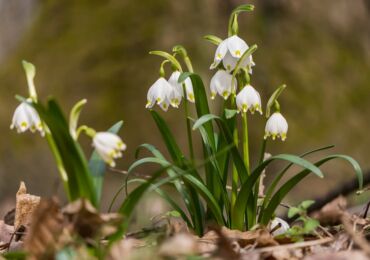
(181, 244)
(85, 220)
(342, 255)
(332, 212)
(26, 204)
(42, 240)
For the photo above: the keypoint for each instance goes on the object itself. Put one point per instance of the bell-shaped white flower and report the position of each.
(279, 226)
(248, 99)
(229, 51)
(109, 146)
(160, 92)
(276, 126)
(173, 80)
(26, 117)
(221, 84)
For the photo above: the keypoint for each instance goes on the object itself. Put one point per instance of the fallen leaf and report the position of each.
(82, 218)
(181, 244)
(42, 240)
(332, 212)
(342, 255)
(25, 206)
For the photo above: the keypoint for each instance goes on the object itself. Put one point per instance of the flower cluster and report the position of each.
(108, 145)
(165, 93)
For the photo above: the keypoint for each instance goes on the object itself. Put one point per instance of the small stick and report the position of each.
(295, 245)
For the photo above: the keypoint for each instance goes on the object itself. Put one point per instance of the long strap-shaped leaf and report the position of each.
(280, 175)
(237, 158)
(237, 218)
(289, 185)
(79, 178)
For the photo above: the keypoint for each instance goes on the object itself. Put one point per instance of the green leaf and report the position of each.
(306, 204)
(74, 116)
(291, 183)
(169, 57)
(230, 113)
(310, 225)
(97, 165)
(247, 188)
(278, 177)
(293, 211)
(168, 139)
(273, 98)
(243, 8)
(213, 39)
(79, 178)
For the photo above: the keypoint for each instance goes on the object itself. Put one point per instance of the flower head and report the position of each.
(221, 84)
(279, 226)
(276, 126)
(26, 117)
(248, 99)
(229, 51)
(173, 80)
(108, 146)
(161, 92)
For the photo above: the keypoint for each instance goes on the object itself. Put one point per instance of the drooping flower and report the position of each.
(229, 51)
(279, 226)
(26, 117)
(173, 80)
(221, 84)
(109, 146)
(160, 92)
(248, 99)
(276, 126)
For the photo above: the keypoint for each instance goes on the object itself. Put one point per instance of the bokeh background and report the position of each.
(98, 49)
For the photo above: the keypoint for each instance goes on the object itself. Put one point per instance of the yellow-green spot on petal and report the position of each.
(237, 53)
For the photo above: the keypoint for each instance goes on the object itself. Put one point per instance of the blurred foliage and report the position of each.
(99, 50)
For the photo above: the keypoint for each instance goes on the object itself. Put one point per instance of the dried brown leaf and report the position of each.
(343, 255)
(181, 244)
(332, 212)
(26, 204)
(43, 237)
(124, 249)
(83, 219)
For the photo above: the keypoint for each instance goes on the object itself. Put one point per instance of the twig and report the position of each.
(357, 238)
(295, 245)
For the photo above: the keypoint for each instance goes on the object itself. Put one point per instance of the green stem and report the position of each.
(188, 64)
(257, 187)
(235, 176)
(59, 162)
(188, 126)
(263, 150)
(245, 141)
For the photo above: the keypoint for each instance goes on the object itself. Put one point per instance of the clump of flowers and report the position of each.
(203, 183)
(81, 179)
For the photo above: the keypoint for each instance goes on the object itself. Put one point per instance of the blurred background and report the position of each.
(98, 49)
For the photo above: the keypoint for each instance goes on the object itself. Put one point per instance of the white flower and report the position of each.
(221, 84)
(26, 117)
(279, 226)
(276, 126)
(173, 80)
(229, 51)
(108, 146)
(160, 92)
(248, 99)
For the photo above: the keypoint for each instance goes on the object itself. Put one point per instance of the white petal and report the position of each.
(221, 51)
(229, 62)
(221, 83)
(284, 226)
(236, 46)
